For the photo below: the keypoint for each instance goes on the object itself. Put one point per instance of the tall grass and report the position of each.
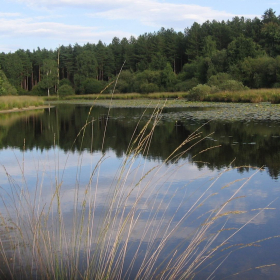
(245, 96)
(19, 102)
(123, 96)
(37, 241)
(241, 96)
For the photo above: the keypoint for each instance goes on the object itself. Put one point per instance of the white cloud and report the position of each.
(159, 14)
(70, 33)
(52, 4)
(56, 22)
(9, 14)
(148, 12)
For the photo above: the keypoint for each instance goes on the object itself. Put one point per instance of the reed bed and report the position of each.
(122, 96)
(245, 96)
(36, 242)
(19, 102)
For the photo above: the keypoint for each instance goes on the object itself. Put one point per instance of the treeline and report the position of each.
(231, 54)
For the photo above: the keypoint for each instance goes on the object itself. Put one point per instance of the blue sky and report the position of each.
(28, 24)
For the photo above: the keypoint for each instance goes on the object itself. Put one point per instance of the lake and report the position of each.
(116, 189)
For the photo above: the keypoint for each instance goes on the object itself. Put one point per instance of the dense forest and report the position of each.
(233, 54)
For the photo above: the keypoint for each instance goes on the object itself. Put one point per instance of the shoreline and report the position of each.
(25, 109)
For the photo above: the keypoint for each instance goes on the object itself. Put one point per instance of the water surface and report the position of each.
(50, 146)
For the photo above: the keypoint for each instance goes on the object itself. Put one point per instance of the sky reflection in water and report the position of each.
(171, 186)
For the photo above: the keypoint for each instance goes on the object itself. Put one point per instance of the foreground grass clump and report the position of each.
(19, 102)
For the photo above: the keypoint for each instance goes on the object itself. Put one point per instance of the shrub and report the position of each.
(224, 81)
(92, 85)
(217, 80)
(148, 88)
(200, 92)
(232, 85)
(64, 82)
(38, 90)
(65, 90)
(5, 87)
(186, 85)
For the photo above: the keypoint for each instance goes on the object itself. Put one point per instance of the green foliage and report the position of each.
(232, 85)
(190, 70)
(186, 85)
(147, 81)
(258, 72)
(194, 41)
(87, 64)
(49, 75)
(40, 90)
(91, 85)
(65, 90)
(158, 62)
(148, 88)
(168, 78)
(209, 47)
(220, 78)
(5, 87)
(124, 84)
(64, 82)
(271, 38)
(199, 92)
(36, 90)
(241, 48)
(224, 81)
(12, 67)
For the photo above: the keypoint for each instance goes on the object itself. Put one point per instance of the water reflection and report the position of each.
(166, 196)
(249, 143)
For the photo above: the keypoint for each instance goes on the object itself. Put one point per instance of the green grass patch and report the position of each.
(122, 96)
(19, 102)
(242, 96)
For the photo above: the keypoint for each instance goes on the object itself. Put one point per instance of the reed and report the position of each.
(242, 96)
(245, 96)
(123, 96)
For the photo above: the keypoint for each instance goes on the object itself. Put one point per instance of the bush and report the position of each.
(92, 85)
(276, 85)
(148, 88)
(232, 85)
(5, 87)
(199, 92)
(38, 90)
(217, 80)
(65, 90)
(224, 81)
(64, 82)
(186, 85)
(122, 86)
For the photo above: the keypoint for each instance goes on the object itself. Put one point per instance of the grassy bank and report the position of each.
(123, 96)
(244, 96)
(20, 102)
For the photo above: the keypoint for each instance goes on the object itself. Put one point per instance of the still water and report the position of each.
(45, 147)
